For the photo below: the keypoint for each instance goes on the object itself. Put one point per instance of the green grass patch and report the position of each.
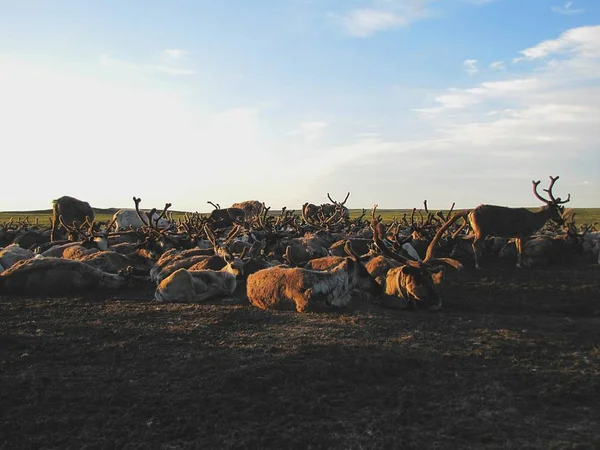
(582, 215)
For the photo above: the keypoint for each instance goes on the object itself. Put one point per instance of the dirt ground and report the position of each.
(511, 361)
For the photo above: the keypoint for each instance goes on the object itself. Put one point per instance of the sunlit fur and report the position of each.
(301, 288)
(411, 286)
(195, 286)
(199, 285)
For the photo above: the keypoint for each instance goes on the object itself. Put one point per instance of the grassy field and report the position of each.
(583, 215)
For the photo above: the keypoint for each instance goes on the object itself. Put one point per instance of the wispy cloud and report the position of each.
(310, 131)
(498, 65)
(582, 42)
(566, 9)
(110, 62)
(174, 54)
(174, 70)
(383, 15)
(545, 119)
(471, 66)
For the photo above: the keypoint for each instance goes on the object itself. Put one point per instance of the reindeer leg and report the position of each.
(518, 245)
(476, 252)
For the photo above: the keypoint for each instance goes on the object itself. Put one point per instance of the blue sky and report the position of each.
(396, 101)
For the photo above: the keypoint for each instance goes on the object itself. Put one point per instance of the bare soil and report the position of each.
(511, 361)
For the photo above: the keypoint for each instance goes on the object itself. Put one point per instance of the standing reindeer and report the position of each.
(518, 223)
(73, 212)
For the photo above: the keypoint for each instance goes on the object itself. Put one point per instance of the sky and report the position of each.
(284, 101)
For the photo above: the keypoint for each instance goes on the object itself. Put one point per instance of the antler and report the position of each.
(337, 203)
(555, 201)
(137, 210)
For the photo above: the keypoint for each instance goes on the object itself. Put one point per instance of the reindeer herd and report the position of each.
(320, 258)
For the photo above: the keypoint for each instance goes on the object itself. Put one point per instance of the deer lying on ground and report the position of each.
(90, 242)
(72, 210)
(302, 288)
(43, 276)
(548, 249)
(407, 282)
(518, 223)
(199, 285)
(12, 254)
(125, 219)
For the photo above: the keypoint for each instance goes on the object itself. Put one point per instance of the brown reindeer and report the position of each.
(302, 288)
(199, 285)
(225, 217)
(410, 283)
(252, 208)
(518, 223)
(72, 210)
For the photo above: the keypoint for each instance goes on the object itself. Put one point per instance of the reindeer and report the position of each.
(407, 282)
(125, 219)
(252, 208)
(43, 276)
(326, 214)
(283, 286)
(72, 210)
(518, 223)
(12, 254)
(226, 217)
(199, 285)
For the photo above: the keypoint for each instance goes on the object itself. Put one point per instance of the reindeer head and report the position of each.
(554, 205)
(359, 276)
(421, 285)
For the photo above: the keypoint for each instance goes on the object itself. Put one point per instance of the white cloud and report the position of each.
(566, 9)
(172, 54)
(544, 122)
(383, 15)
(470, 66)
(364, 22)
(498, 65)
(310, 131)
(582, 41)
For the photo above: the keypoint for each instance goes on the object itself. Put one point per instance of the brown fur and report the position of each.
(282, 287)
(518, 223)
(251, 207)
(198, 285)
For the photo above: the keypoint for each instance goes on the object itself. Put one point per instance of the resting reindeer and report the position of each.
(43, 276)
(199, 285)
(518, 223)
(282, 286)
(410, 283)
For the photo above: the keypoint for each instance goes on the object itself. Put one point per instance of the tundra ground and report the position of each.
(512, 360)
